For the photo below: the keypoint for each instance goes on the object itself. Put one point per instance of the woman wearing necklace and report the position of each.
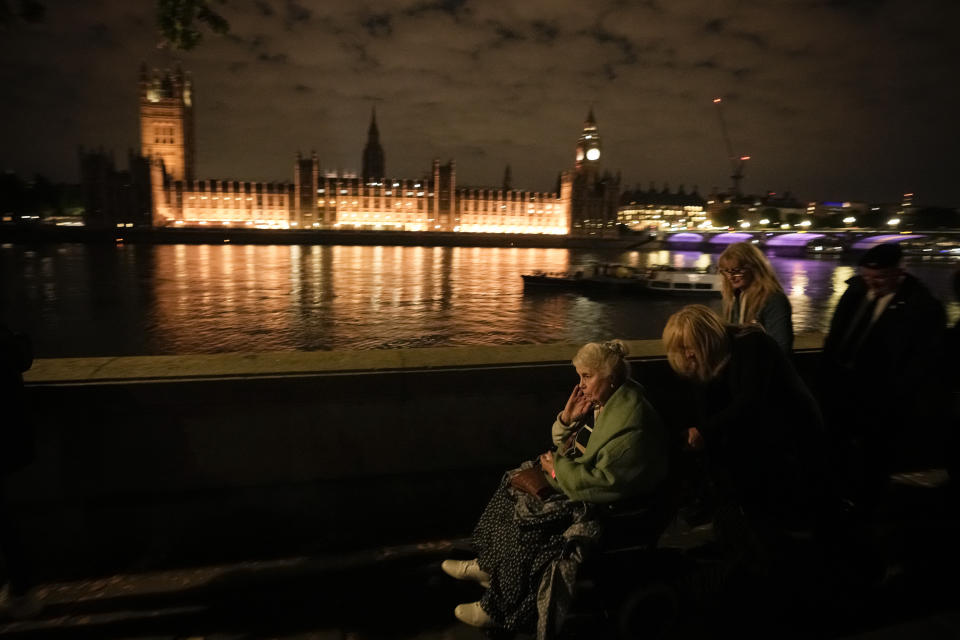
(611, 445)
(752, 294)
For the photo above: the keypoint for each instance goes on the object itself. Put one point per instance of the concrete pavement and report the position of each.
(400, 592)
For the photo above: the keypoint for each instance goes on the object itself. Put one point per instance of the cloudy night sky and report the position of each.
(841, 99)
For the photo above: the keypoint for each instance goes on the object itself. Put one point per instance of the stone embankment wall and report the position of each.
(152, 462)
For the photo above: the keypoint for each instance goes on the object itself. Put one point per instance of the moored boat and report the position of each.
(660, 279)
(682, 280)
(545, 279)
(597, 276)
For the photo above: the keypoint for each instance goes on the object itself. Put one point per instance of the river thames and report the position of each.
(90, 300)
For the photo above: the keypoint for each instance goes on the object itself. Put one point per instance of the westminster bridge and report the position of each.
(941, 242)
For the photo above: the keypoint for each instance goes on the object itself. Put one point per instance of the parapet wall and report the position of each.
(151, 462)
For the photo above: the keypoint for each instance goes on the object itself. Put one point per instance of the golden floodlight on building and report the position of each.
(586, 202)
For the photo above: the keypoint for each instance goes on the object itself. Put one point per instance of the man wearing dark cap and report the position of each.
(881, 364)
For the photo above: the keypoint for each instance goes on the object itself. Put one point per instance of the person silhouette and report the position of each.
(16, 452)
(881, 358)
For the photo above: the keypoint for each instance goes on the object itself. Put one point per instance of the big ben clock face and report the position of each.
(593, 154)
(579, 155)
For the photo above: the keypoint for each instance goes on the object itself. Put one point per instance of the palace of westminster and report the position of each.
(587, 202)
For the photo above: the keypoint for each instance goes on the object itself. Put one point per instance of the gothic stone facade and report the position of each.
(318, 199)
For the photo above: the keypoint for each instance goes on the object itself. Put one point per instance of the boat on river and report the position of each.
(680, 280)
(659, 279)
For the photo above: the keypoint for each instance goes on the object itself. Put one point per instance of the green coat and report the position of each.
(626, 454)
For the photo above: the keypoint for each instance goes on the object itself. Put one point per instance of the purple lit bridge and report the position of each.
(803, 242)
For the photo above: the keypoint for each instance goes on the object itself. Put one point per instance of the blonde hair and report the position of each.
(753, 297)
(606, 358)
(696, 330)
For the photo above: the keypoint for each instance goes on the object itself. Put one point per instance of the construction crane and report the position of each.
(736, 162)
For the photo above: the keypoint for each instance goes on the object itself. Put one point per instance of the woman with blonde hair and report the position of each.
(753, 295)
(759, 426)
(610, 446)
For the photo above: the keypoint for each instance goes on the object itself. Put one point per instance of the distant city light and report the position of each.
(893, 222)
(764, 221)
(744, 225)
(805, 223)
(849, 220)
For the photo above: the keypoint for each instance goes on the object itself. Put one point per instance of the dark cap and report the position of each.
(882, 256)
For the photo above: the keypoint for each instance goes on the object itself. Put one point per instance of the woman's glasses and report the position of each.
(730, 273)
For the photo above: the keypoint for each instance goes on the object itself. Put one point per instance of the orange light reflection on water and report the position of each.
(261, 298)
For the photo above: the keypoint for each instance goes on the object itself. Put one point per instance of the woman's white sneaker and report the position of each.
(465, 570)
(472, 613)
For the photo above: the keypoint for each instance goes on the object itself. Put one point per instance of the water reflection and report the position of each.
(812, 288)
(174, 299)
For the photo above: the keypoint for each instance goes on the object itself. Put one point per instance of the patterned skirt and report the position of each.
(516, 539)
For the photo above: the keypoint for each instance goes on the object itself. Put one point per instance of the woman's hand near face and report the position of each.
(695, 439)
(577, 405)
(546, 463)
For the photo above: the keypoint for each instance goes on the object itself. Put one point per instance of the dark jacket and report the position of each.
(16, 430)
(776, 318)
(890, 397)
(903, 347)
(763, 430)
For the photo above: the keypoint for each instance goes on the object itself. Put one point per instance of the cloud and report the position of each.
(264, 7)
(295, 13)
(503, 81)
(100, 35)
(377, 25)
(544, 31)
(273, 58)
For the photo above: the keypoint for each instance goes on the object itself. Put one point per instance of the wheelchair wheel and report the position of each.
(648, 612)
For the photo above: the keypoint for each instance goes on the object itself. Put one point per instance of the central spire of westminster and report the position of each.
(373, 159)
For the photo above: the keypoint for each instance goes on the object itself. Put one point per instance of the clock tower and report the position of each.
(592, 196)
(588, 146)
